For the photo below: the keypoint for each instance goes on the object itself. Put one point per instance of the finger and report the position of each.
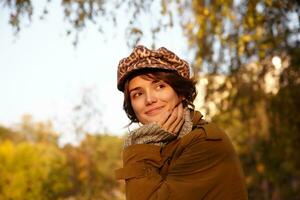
(180, 116)
(173, 117)
(178, 127)
(164, 118)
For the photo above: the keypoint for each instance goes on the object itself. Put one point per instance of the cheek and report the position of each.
(172, 98)
(136, 106)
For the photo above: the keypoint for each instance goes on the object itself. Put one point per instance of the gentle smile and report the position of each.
(153, 111)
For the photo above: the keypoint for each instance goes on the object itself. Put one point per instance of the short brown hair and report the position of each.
(182, 86)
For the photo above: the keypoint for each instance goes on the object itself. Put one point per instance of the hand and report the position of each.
(173, 120)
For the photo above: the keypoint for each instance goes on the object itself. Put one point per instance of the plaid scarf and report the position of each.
(154, 134)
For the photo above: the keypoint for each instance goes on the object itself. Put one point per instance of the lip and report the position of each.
(153, 111)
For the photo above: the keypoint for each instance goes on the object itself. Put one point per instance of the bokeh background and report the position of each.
(61, 118)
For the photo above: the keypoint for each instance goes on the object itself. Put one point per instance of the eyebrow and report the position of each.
(138, 88)
(134, 89)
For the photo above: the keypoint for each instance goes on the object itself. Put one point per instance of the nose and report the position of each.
(150, 98)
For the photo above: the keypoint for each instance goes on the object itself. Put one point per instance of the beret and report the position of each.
(142, 57)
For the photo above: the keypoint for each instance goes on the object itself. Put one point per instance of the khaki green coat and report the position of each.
(200, 165)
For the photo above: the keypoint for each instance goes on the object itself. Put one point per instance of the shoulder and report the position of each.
(205, 131)
(210, 131)
(207, 137)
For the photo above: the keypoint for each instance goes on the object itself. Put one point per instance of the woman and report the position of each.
(175, 154)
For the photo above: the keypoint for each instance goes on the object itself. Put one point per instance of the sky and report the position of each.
(43, 75)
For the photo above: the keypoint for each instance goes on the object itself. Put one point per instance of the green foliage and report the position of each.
(223, 34)
(93, 164)
(265, 128)
(18, 9)
(27, 171)
(33, 167)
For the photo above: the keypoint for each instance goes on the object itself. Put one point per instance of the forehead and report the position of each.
(141, 80)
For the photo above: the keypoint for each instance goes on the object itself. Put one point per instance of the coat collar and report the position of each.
(197, 118)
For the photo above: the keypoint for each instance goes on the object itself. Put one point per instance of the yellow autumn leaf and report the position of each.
(246, 38)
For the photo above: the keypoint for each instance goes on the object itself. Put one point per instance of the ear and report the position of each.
(183, 101)
(180, 99)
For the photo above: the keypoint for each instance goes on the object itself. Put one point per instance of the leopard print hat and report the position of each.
(142, 57)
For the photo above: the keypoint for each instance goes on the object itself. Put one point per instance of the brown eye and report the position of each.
(137, 94)
(160, 86)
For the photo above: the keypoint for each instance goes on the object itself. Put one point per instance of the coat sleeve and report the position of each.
(141, 171)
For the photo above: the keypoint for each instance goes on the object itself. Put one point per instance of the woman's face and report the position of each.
(150, 99)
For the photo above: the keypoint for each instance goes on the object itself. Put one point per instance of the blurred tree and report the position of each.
(32, 171)
(32, 166)
(30, 131)
(223, 33)
(93, 164)
(37, 132)
(86, 115)
(261, 114)
(8, 134)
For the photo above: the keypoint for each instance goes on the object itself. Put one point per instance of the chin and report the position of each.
(147, 121)
(155, 118)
